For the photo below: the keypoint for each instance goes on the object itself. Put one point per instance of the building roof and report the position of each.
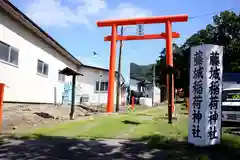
(95, 67)
(20, 17)
(140, 80)
(102, 69)
(68, 71)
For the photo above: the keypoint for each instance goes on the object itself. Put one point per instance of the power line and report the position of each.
(209, 14)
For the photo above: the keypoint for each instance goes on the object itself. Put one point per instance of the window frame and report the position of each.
(10, 48)
(105, 86)
(42, 68)
(227, 93)
(61, 75)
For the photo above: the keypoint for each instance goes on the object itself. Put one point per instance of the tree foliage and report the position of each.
(141, 72)
(224, 31)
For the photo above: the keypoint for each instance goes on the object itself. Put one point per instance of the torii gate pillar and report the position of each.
(112, 65)
(168, 20)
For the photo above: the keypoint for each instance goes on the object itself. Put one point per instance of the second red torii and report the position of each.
(168, 35)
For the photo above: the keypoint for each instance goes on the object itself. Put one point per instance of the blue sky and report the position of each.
(73, 24)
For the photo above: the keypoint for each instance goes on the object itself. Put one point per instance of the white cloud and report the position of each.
(57, 13)
(127, 10)
(92, 7)
(62, 13)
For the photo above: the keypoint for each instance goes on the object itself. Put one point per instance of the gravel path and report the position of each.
(62, 148)
(51, 148)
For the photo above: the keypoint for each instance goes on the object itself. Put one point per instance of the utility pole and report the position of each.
(153, 89)
(119, 72)
(99, 89)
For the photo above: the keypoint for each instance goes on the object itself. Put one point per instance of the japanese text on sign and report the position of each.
(214, 90)
(197, 91)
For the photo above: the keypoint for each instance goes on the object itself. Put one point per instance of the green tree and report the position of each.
(179, 61)
(224, 31)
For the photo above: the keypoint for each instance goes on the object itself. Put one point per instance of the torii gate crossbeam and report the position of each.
(168, 35)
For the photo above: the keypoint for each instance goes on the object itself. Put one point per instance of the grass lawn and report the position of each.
(148, 125)
(108, 126)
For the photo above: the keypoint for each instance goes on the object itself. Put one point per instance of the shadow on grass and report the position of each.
(231, 128)
(150, 147)
(131, 122)
(183, 105)
(234, 131)
(183, 108)
(184, 113)
(179, 101)
(230, 124)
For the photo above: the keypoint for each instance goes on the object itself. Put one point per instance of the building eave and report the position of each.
(69, 72)
(102, 69)
(21, 18)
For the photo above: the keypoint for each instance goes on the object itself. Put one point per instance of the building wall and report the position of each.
(87, 85)
(149, 90)
(24, 84)
(157, 95)
(133, 84)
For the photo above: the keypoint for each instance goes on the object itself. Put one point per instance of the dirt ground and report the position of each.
(17, 117)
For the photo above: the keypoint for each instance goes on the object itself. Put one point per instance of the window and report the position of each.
(97, 86)
(103, 86)
(42, 68)
(8, 53)
(61, 77)
(231, 96)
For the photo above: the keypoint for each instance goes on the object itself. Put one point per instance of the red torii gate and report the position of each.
(168, 20)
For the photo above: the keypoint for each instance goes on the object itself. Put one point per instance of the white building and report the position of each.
(30, 59)
(93, 86)
(147, 90)
(135, 85)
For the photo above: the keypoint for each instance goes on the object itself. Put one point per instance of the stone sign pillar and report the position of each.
(205, 93)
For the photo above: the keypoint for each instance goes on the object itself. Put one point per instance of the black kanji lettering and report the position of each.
(213, 102)
(213, 117)
(214, 58)
(197, 100)
(196, 132)
(212, 133)
(214, 73)
(196, 116)
(214, 88)
(198, 73)
(198, 58)
(198, 87)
